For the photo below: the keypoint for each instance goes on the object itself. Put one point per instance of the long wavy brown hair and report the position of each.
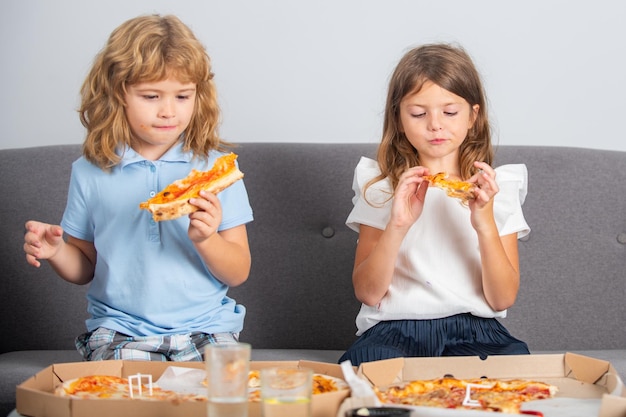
(451, 68)
(146, 49)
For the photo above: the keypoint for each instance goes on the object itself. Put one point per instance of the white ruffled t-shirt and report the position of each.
(438, 272)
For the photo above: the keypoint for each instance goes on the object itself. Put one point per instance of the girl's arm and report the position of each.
(74, 260)
(374, 262)
(500, 268)
(499, 254)
(377, 250)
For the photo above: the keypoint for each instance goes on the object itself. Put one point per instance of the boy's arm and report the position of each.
(76, 263)
(80, 263)
(74, 260)
(227, 255)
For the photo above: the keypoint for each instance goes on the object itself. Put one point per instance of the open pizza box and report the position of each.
(35, 397)
(586, 386)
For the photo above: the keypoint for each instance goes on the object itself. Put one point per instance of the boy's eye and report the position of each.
(150, 96)
(183, 97)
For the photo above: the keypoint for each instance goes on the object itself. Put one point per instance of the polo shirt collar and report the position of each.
(174, 154)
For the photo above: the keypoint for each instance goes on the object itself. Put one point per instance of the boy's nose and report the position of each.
(166, 110)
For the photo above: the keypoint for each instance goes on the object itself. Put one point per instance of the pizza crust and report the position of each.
(178, 208)
(173, 201)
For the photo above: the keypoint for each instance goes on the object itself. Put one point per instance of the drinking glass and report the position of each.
(286, 392)
(227, 367)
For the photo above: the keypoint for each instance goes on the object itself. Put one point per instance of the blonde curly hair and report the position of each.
(146, 49)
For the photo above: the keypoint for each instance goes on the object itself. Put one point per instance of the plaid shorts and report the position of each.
(103, 344)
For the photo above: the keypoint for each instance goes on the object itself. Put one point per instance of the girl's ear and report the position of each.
(399, 126)
(474, 114)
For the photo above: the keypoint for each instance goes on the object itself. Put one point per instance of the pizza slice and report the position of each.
(118, 388)
(95, 386)
(454, 188)
(173, 201)
(327, 383)
(321, 384)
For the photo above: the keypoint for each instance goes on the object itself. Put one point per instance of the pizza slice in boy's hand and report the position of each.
(173, 201)
(454, 188)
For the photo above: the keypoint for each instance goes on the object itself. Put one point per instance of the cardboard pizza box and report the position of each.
(35, 396)
(588, 386)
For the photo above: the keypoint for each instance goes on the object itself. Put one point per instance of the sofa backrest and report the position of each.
(40, 310)
(573, 263)
(299, 294)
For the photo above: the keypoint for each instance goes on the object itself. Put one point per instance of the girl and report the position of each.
(157, 290)
(434, 274)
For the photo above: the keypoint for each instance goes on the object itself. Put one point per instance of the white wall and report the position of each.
(316, 71)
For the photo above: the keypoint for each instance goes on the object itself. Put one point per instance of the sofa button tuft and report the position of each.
(328, 232)
(621, 238)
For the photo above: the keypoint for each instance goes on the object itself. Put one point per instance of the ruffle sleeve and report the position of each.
(513, 183)
(372, 209)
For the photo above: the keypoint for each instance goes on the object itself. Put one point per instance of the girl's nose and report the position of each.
(434, 123)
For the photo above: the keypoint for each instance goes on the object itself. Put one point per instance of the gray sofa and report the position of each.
(299, 296)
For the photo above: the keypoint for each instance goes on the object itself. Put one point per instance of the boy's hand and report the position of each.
(204, 222)
(41, 241)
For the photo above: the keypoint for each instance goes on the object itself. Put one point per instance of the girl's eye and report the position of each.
(183, 97)
(418, 115)
(450, 113)
(150, 96)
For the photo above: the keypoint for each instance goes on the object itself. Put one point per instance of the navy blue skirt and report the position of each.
(459, 335)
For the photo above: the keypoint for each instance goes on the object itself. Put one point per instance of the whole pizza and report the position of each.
(116, 387)
(485, 394)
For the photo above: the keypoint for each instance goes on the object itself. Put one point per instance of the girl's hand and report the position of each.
(409, 197)
(204, 222)
(41, 241)
(481, 207)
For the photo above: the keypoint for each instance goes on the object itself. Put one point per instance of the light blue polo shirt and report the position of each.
(149, 279)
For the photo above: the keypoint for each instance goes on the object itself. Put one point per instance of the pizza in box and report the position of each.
(487, 394)
(140, 387)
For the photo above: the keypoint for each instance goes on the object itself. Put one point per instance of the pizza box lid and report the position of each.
(35, 396)
(580, 377)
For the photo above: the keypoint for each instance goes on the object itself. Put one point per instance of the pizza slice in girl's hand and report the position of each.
(173, 201)
(454, 188)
